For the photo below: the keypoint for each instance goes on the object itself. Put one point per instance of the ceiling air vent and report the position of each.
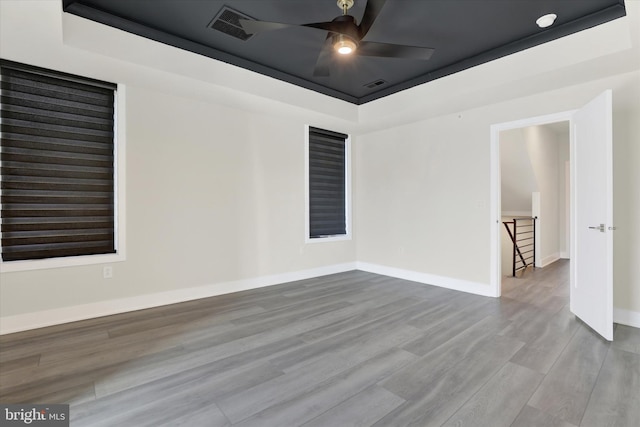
(375, 84)
(228, 22)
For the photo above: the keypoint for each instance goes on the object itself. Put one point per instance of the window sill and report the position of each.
(338, 238)
(41, 264)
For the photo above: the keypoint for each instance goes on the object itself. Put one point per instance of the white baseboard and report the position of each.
(564, 255)
(41, 319)
(550, 259)
(626, 317)
(429, 279)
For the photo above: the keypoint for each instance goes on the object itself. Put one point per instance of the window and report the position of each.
(57, 145)
(328, 202)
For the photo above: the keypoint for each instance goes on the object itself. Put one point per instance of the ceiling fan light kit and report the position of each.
(343, 44)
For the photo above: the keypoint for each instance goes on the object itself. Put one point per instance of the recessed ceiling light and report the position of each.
(546, 20)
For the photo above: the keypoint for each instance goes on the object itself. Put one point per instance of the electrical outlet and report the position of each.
(107, 272)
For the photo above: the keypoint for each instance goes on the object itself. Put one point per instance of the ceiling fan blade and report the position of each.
(252, 27)
(387, 50)
(334, 27)
(371, 12)
(324, 59)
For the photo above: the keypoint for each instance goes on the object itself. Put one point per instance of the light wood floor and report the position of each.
(352, 349)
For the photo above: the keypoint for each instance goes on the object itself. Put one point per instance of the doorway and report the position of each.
(534, 194)
(591, 188)
(496, 191)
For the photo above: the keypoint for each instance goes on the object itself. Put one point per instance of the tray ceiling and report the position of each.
(464, 34)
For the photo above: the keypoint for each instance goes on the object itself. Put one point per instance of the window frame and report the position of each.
(119, 178)
(348, 222)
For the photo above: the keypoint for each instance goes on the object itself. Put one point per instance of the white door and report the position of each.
(592, 202)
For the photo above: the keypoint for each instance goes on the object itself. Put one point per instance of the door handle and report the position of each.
(600, 227)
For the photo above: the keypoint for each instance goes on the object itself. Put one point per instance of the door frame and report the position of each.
(495, 209)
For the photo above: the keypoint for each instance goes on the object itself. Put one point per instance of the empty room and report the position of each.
(320, 213)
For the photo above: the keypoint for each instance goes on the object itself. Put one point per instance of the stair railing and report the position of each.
(523, 238)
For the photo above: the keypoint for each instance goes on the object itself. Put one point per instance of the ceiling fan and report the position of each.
(345, 37)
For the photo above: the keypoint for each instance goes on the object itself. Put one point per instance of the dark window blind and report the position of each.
(57, 164)
(327, 183)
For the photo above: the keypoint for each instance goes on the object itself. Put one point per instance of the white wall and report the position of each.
(422, 198)
(215, 194)
(423, 188)
(564, 193)
(626, 210)
(543, 148)
(517, 177)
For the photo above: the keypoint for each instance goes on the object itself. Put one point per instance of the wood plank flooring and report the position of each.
(351, 349)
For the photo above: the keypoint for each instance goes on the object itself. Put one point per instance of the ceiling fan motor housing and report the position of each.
(346, 25)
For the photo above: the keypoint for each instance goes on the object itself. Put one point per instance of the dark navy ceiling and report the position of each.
(464, 33)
